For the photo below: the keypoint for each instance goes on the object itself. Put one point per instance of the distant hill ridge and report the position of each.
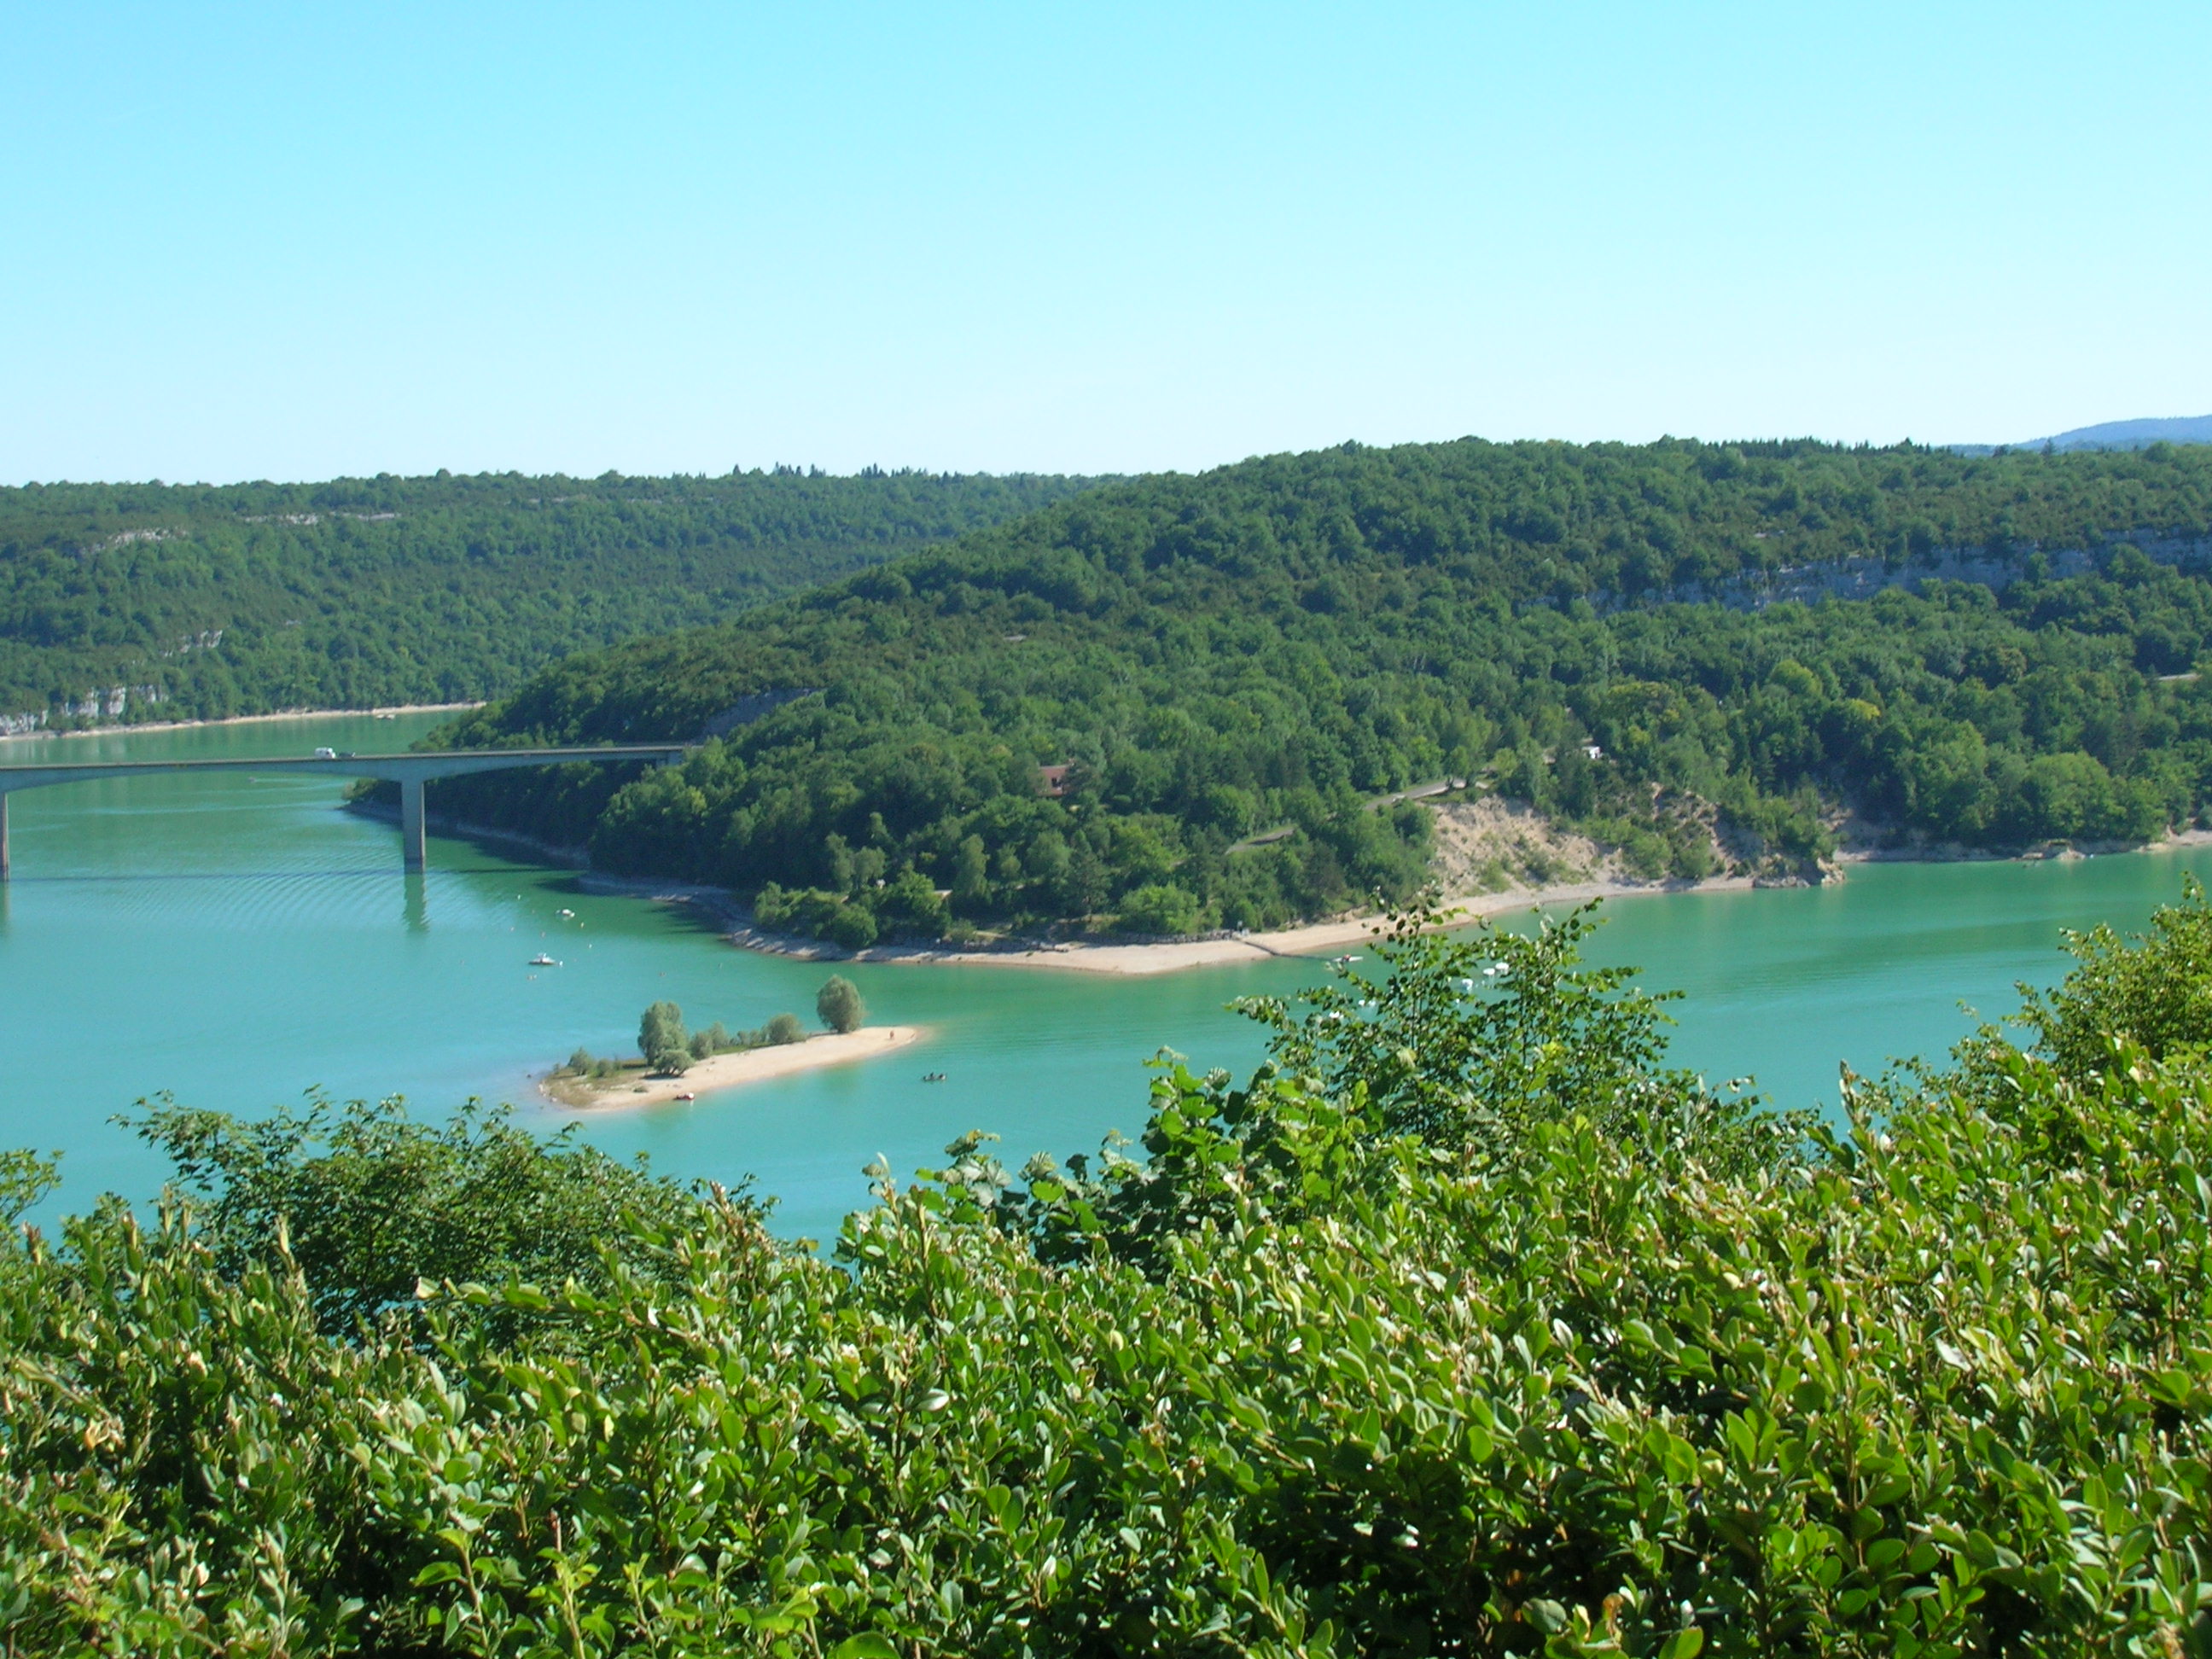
(180, 601)
(2113, 435)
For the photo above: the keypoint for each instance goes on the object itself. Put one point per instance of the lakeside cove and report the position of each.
(1111, 956)
(261, 906)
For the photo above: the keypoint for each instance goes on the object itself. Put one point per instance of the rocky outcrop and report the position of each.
(1862, 578)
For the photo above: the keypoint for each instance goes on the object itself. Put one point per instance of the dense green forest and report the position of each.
(1465, 1326)
(199, 602)
(1278, 643)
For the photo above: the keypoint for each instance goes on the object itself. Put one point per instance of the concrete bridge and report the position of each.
(409, 771)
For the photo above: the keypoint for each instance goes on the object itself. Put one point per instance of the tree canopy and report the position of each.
(838, 1005)
(198, 602)
(1167, 704)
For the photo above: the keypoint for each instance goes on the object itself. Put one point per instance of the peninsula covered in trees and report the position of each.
(1174, 702)
(129, 602)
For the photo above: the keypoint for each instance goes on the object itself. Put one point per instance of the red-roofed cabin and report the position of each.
(1052, 779)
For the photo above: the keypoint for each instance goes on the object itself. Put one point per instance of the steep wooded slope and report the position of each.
(152, 601)
(1276, 643)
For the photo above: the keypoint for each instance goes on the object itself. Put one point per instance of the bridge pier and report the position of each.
(414, 850)
(409, 771)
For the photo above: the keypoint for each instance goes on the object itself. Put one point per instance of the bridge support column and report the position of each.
(3, 835)
(412, 849)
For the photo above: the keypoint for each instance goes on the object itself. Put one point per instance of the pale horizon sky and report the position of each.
(246, 240)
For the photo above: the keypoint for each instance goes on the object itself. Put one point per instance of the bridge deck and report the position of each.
(410, 771)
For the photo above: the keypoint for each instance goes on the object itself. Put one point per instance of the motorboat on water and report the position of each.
(541, 960)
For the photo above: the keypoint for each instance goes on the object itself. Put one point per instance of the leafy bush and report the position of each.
(910, 904)
(25, 1178)
(367, 1204)
(1464, 1326)
(1690, 855)
(784, 1028)
(851, 925)
(2156, 991)
(1161, 908)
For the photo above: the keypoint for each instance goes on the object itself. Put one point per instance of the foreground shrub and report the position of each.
(1523, 1346)
(369, 1204)
(2157, 991)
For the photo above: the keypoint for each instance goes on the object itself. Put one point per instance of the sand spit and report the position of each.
(730, 1070)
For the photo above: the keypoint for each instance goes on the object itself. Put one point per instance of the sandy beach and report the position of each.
(1327, 938)
(1479, 841)
(1319, 939)
(730, 1070)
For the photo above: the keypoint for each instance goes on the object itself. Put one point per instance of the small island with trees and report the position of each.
(673, 1063)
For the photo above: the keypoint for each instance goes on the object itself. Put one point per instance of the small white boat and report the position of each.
(541, 960)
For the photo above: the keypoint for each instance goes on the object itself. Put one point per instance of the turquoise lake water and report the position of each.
(236, 941)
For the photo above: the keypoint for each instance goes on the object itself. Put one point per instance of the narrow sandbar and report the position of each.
(730, 1071)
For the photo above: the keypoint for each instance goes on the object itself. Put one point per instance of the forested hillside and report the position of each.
(1465, 1327)
(152, 601)
(1274, 644)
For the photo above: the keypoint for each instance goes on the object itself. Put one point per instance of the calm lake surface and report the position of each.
(237, 941)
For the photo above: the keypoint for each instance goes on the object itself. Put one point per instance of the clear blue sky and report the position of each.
(261, 240)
